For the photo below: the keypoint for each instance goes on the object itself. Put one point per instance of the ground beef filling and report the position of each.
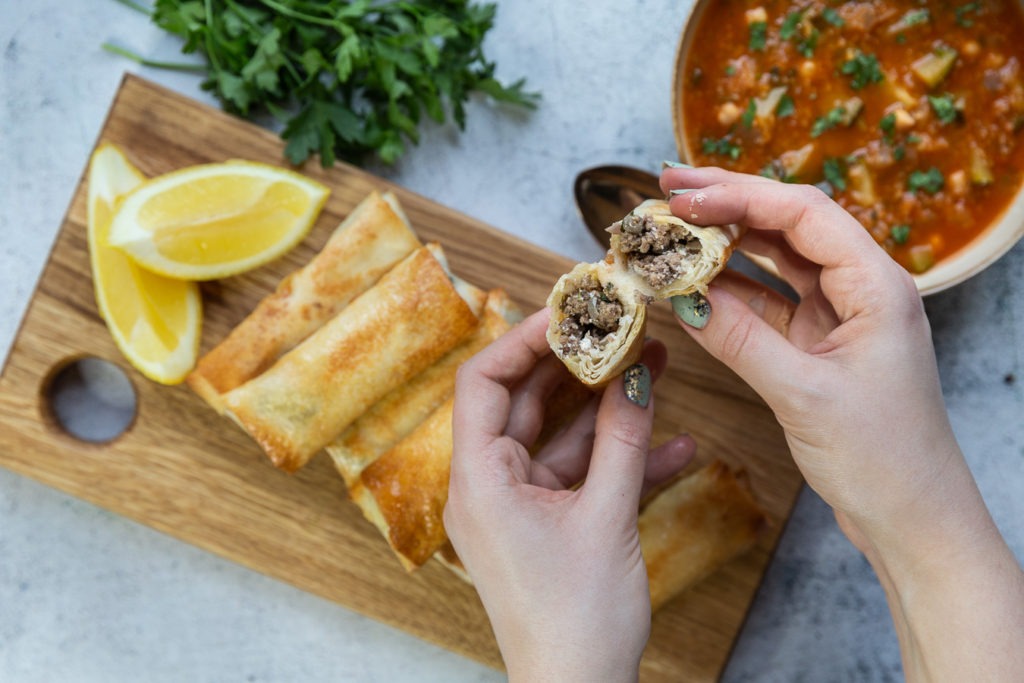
(592, 312)
(659, 252)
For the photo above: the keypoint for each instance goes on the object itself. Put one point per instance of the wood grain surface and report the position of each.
(181, 469)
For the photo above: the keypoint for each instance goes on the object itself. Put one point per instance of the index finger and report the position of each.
(482, 386)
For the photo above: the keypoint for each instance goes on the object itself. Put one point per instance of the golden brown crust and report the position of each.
(696, 525)
(405, 490)
(397, 414)
(368, 243)
(396, 329)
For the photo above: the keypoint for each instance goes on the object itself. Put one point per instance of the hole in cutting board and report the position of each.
(91, 399)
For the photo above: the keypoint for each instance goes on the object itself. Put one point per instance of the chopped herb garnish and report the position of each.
(913, 139)
(900, 39)
(944, 107)
(931, 181)
(899, 152)
(900, 233)
(807, 45)
(963, 10)
(864, 69)
(730, 70)
(758, 35)
(888, 124)
(785, 106)
(835, 172)
(832, 17)
(723, 146)
(829, 121)
(748, 116)
(790, 25)
(912, 18)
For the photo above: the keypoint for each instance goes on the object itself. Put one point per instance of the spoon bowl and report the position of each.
(604, 194)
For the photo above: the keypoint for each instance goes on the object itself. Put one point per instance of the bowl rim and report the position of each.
(1001, 235)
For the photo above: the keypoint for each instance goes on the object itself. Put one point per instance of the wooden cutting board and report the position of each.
(181, 469)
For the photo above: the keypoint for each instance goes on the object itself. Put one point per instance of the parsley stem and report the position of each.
(135, 6)
(138, 59)
(289, 12)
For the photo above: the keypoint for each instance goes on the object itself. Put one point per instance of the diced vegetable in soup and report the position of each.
(909, 114)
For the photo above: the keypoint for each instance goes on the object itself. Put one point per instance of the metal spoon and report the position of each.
(604, 194)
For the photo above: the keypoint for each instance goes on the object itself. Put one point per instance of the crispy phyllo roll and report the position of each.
(696, 525)
(396, 415)
(368, 243)
(411, 318)
(597, 325)
(404, 491)
(667, 256)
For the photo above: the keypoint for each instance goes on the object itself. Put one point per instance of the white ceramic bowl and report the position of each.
(994, 241)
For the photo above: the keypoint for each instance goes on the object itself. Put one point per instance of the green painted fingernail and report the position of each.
(636, 382)
(675, 164)
(693, 309)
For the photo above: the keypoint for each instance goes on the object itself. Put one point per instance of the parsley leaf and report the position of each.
(785, 107)
(790, 24)
(829, 121)
(944, 108)
(749, 115)
(758, 36)
(963, 10)
(349, 79)
(724, 146)
(900, 233)
(835, 172)
(931, 181)
(833, 17)
(864, 69)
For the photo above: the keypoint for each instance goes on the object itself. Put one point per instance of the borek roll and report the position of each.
(597, 325)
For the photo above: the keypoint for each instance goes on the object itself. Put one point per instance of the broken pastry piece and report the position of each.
(665, 255)
(597, 325)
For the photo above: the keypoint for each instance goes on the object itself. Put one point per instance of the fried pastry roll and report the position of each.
(403, 493)
(411, 318)
(368, 243)
(667, 256)
(597, 325)
(695, 526)
(396, 415)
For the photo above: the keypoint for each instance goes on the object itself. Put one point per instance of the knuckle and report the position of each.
(631, 437)
(736, 340)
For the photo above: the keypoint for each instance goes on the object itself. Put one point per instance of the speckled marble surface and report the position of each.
(89, 596)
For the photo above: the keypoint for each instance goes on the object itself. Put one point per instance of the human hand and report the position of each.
(559, 570)
(850, 373)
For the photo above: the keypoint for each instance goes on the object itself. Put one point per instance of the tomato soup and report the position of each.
(909, 114)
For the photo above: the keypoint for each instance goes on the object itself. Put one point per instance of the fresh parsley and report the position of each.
(724, 146)
(758, 36)
(863, 69)
(785, 107)
(835, 170)
(944, 107)
(749, 114)
(888, 126)
(790, 25)
(833, 17)
(347, 79)
(963, 10)
(829, 121)
(931, 181)
(900, 233)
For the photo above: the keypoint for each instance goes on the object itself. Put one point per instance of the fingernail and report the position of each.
(675, 164)
(636, 382)
(693, 309)
(683, 191)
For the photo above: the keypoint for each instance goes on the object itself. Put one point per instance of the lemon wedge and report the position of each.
(155, 321)
(216, 220)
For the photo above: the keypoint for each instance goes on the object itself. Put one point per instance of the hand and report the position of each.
(559, 569)
(853, 381)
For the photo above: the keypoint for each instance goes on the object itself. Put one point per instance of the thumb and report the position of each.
(736, 335)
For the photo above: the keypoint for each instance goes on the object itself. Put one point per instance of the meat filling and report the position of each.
(659, 252)
(592, 312)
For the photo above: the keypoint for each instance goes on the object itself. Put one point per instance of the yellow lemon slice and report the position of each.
(155, 321)
(216, 220)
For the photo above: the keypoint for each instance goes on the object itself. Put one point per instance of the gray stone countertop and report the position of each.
(88, 596)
